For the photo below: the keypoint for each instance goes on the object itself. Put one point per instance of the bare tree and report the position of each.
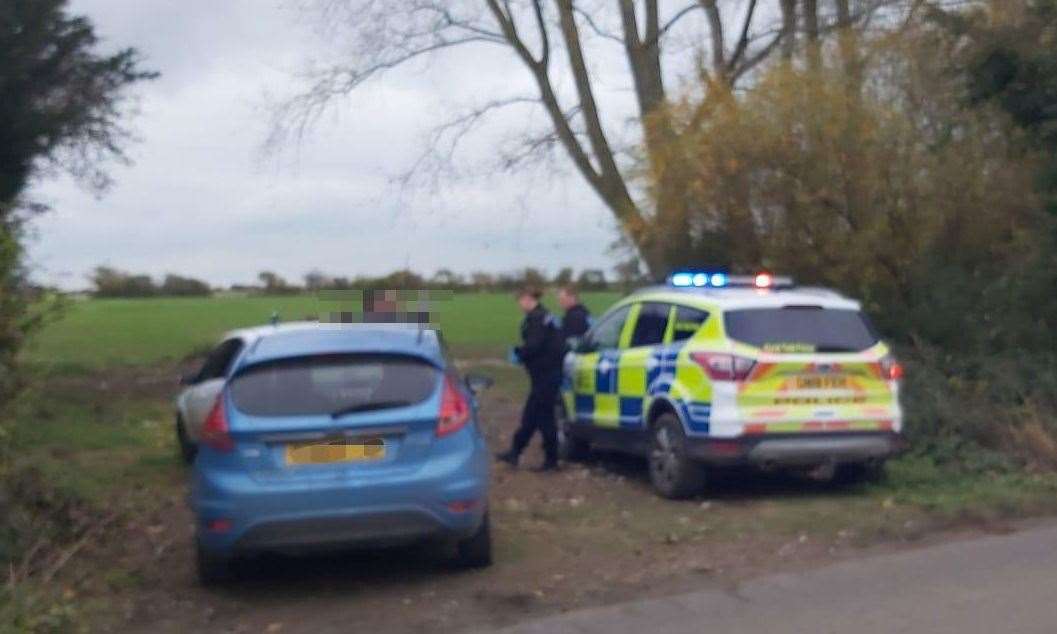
(552, 40)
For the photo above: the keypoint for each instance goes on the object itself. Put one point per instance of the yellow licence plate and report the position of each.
(337, 451)
(821, 382)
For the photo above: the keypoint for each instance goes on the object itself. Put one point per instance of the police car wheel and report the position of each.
(570, 448)
(674, 474)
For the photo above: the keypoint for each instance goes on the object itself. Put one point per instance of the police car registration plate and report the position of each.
(821, 382)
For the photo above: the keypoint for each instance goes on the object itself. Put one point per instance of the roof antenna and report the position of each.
(274, 320)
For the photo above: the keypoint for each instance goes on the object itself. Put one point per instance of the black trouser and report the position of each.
(539, 414)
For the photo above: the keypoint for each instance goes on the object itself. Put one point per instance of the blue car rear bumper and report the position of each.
(240, 512)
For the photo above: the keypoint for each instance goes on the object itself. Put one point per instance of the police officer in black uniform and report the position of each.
(577, 319)
(541, 351)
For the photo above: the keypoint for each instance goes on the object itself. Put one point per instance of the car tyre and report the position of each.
(475, 551)
(673, 473)
(186, 446)
(570, 448)
(213, 568)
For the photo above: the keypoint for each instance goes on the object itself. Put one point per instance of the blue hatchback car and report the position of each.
(331, 435)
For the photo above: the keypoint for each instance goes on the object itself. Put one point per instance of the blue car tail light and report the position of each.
(454, 410)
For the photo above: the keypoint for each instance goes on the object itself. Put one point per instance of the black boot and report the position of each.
(509, 457)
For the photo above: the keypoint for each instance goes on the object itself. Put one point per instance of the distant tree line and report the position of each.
(111, 282)
(446, 279)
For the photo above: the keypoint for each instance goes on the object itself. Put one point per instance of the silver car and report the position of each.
(202, 387)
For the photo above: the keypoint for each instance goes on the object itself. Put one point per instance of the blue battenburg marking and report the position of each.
(661, 370)
(585, 407)
(630, 411)
(697, 416)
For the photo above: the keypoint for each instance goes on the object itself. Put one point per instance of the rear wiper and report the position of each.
(367, 407)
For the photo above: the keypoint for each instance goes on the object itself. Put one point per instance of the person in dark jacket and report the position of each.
(577, 319)
(541, 351)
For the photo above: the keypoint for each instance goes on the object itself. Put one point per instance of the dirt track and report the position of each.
(590, 535)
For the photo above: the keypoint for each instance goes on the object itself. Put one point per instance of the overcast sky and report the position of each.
(201, 198)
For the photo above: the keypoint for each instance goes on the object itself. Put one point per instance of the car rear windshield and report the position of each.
(333, 384)
(801, 329)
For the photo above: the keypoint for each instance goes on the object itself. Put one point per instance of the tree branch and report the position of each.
(611, 183)
(595, 27)
(743, 39)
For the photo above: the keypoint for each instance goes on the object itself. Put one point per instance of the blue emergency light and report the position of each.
(720, 279)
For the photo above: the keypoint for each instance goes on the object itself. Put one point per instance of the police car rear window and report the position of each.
(330, 384)
(801, 329)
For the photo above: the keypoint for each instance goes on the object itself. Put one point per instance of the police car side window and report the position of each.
(650, 325)
(687, 322)
(606, 334)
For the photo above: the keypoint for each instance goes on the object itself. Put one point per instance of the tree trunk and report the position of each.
(667, 241)
(811, 31)
(848, 44)
(788, 29)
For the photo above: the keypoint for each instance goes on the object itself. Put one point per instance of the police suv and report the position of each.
(715, 370)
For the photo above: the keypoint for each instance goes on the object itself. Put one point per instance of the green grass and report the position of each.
(87, 446)
(98, 333)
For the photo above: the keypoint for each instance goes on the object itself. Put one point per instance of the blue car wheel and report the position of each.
(213, 568)
(476, 551)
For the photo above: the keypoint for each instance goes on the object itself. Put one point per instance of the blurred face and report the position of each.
(527, 302)
(566, 299)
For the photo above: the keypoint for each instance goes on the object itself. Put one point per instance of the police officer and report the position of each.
(577, 319)
(541, 351)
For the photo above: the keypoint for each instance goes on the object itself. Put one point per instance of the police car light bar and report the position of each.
(715, 279)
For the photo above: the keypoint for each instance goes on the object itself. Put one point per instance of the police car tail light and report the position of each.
(724, 367)
(215, 430)
(891, 370)
(454, 410)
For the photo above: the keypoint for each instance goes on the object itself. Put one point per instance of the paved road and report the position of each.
(998, 584)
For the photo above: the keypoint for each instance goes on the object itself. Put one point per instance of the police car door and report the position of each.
(594, 377)
(638, 361)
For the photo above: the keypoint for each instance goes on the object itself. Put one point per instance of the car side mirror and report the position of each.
(189, 378)
(478, 382)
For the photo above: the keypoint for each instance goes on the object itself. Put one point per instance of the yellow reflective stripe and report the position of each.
(629, 326)
(607, 410)
(818, 426)
(713, 327)
(584, 377)
(631, 374)
(669, 330)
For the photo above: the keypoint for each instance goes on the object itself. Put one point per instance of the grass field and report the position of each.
(96, 334)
